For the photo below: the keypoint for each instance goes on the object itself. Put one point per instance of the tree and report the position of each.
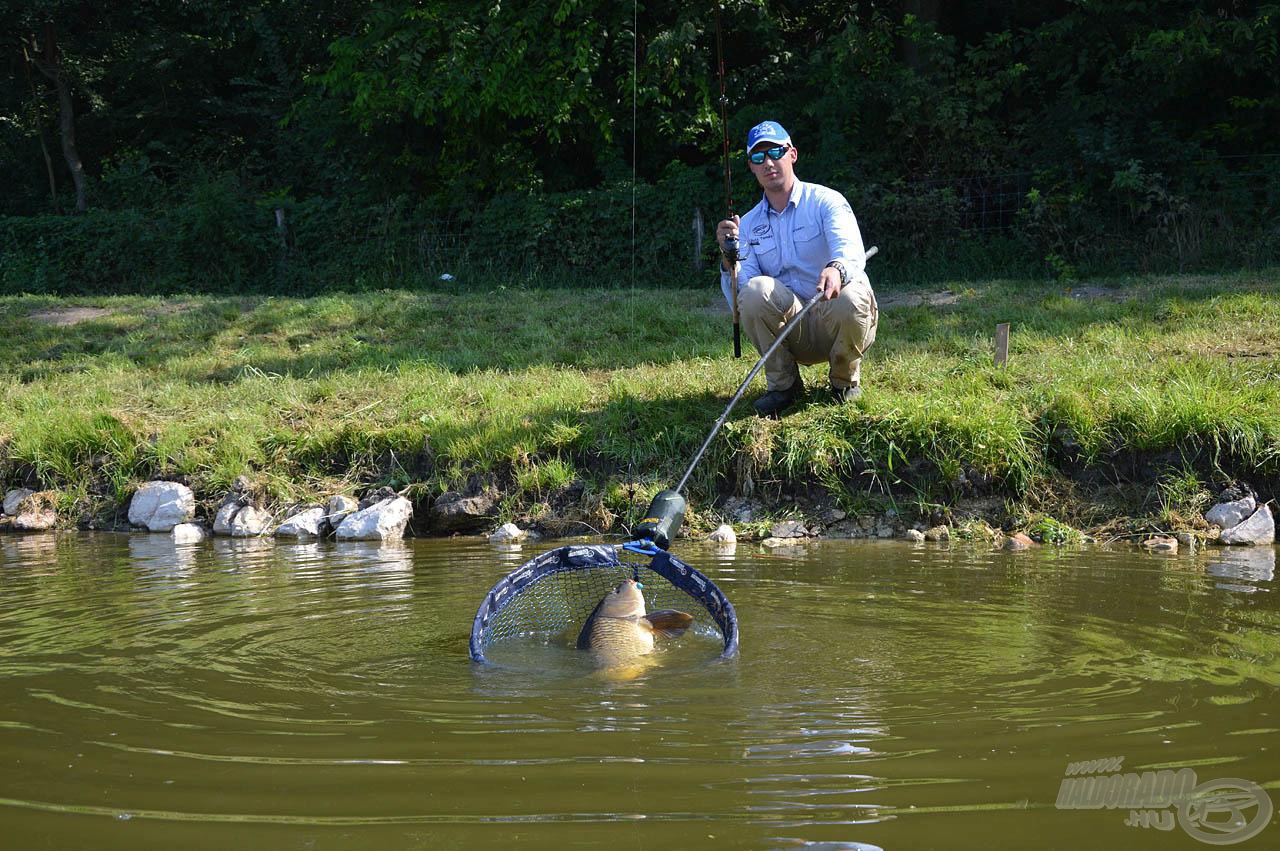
(538, 94)
(40, 50)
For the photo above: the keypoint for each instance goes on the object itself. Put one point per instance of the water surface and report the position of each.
(887, 695)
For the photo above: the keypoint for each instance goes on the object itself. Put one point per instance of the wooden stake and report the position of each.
(1002, 344)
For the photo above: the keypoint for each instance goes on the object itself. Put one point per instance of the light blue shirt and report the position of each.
(816, 227)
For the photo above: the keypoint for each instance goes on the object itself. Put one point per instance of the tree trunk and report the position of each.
(39, 122)
(48, 167)
(51, 67)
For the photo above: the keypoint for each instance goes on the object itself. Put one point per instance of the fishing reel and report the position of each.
(732, 250)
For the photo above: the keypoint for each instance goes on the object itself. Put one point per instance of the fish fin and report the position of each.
(669, 622)
(584, 637)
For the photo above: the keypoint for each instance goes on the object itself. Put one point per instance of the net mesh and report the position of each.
(556, 592)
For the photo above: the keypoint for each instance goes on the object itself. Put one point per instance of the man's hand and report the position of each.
(726, 229)
(829, 283)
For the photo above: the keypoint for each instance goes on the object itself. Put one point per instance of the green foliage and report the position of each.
(540, 479)
(212, 240)
(1047, 530)
(1181, 494)
(406, 139)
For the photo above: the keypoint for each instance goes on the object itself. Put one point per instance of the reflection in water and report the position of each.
(161, 555)
(30, 551)
(1252, 564)
(275, 694)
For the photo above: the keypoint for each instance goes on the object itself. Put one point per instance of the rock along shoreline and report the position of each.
(1239, 517)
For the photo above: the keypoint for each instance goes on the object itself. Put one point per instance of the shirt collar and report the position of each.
(792, 201)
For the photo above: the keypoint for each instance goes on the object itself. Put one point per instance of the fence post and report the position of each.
(1002, 344)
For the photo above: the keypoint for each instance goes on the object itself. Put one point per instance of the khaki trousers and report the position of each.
(838, 330)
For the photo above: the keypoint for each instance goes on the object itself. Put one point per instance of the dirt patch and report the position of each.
(171, 308)
(937, 299)
(1098, 292)
(64, 316)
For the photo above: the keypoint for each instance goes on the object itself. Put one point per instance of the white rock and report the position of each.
(236, 519)
(189, 533)
(225, 517)
(304, 524)
(1228, 514)
(915, 535)
(337, 509)
(162, 505)
(13, 498)
(383, 521)
(250, 522)
(1259, 529)
(508, 533)
(773, 543)
(724, 534)
(35, 515)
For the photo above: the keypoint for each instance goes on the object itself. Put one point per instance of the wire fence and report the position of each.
(1219, 210)
(1178, 202)
(987, 202)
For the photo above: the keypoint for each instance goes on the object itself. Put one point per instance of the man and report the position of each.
(799, 240)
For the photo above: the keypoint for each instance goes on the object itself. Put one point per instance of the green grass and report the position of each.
(535, 390)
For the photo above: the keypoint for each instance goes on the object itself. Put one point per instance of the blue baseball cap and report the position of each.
(767, 131)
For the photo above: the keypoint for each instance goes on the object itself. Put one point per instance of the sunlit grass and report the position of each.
(537, 389)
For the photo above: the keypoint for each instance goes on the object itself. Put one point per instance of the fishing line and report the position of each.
(730, 250)
(635, 73)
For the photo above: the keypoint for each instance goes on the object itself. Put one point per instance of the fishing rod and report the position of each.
(731, 243)
(666, 512)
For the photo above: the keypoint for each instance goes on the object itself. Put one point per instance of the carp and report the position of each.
(620, 634)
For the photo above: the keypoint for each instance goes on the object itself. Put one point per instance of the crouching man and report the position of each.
(799, 240)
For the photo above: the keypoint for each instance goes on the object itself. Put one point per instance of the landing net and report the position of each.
(555, 593)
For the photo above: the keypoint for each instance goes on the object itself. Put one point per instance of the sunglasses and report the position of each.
(757, 157)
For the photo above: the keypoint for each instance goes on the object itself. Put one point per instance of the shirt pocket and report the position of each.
(804, 234)
(766, 253)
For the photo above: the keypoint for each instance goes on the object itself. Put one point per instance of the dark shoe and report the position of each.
(775, 402)
(846, 394)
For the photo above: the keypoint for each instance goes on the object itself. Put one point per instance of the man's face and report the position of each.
(774, 175)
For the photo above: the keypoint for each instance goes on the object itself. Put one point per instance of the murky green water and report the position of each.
(274, 696)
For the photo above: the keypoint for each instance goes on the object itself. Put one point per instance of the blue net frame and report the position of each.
(556, 591)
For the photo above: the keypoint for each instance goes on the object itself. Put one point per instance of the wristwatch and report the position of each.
(839, 267)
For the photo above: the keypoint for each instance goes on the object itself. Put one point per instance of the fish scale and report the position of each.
(617, 639)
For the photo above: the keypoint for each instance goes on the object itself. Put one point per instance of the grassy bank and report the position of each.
(1126, 398)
